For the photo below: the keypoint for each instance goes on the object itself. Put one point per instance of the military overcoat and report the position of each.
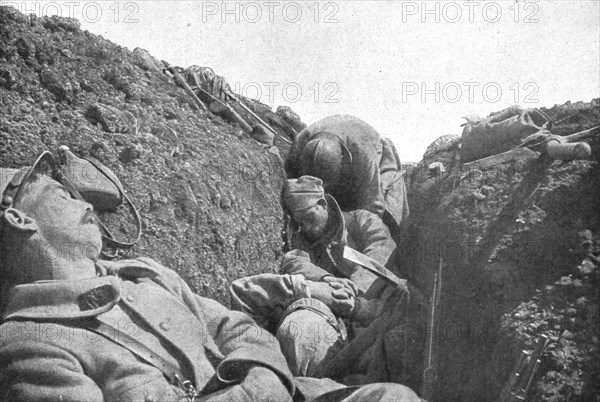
(48, 353)
(359, 229)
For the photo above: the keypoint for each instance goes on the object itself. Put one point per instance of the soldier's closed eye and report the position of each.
(66, 195)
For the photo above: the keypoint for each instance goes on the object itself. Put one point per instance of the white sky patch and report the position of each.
(410, 69)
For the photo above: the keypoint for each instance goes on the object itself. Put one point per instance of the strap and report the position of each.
(313, 305)
(373, 266)
(99, 326)
(109, 237)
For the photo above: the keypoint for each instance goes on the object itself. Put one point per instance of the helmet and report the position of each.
(322, 158)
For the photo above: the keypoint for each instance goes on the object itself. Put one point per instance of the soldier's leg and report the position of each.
(309, 334)
(380, 391)
(325, 389)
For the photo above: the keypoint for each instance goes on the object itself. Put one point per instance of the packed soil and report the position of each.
(511, 236)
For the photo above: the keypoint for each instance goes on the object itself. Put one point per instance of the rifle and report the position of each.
(247, 109)
(556, 147)
(182, 83)
(237, 98)
(229, 110)
(179, 80)
(430, 371)
(522, 375)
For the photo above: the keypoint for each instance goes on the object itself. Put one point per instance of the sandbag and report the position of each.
(500, 132)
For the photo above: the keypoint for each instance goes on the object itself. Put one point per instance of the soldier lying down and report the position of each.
(77, 328)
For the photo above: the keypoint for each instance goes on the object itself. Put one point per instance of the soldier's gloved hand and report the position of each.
(338, 283)
(340, 301)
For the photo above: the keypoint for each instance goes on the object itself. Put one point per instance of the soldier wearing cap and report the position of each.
(359, 168)
(320, 228)
(77, 328)
(321, 231)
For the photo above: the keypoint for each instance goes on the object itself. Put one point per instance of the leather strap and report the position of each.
(315, 306)
(108, 236)
(99, 326)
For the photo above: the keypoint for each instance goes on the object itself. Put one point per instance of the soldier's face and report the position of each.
(312, 221)
(68, 225)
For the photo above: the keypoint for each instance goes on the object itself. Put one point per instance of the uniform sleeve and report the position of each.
(37, 371)
(244, 344)
(298, 262)
(367, 182)
(372, 237)
(292, 162)
(240, 340)
(265, 297)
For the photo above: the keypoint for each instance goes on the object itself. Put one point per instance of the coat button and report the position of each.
(164, 326)
(130, 298)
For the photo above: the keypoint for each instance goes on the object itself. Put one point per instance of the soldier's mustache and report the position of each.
(89, 217)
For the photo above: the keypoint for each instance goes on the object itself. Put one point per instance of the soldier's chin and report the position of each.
(92, 249)
(93, 246)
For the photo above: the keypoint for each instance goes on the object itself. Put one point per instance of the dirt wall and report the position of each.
(510, 238)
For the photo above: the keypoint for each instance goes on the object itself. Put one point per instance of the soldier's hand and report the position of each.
(252, 387)
(342, 307)
(339, 283)
(340, 301)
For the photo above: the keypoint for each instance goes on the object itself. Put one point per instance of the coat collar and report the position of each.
(74, 299)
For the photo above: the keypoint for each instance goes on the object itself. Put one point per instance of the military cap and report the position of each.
(302, 193)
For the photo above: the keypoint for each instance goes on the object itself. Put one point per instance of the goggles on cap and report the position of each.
(96, 192)
(44, 164)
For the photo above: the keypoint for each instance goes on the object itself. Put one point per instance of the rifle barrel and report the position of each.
(582, 134)
(430, 371)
